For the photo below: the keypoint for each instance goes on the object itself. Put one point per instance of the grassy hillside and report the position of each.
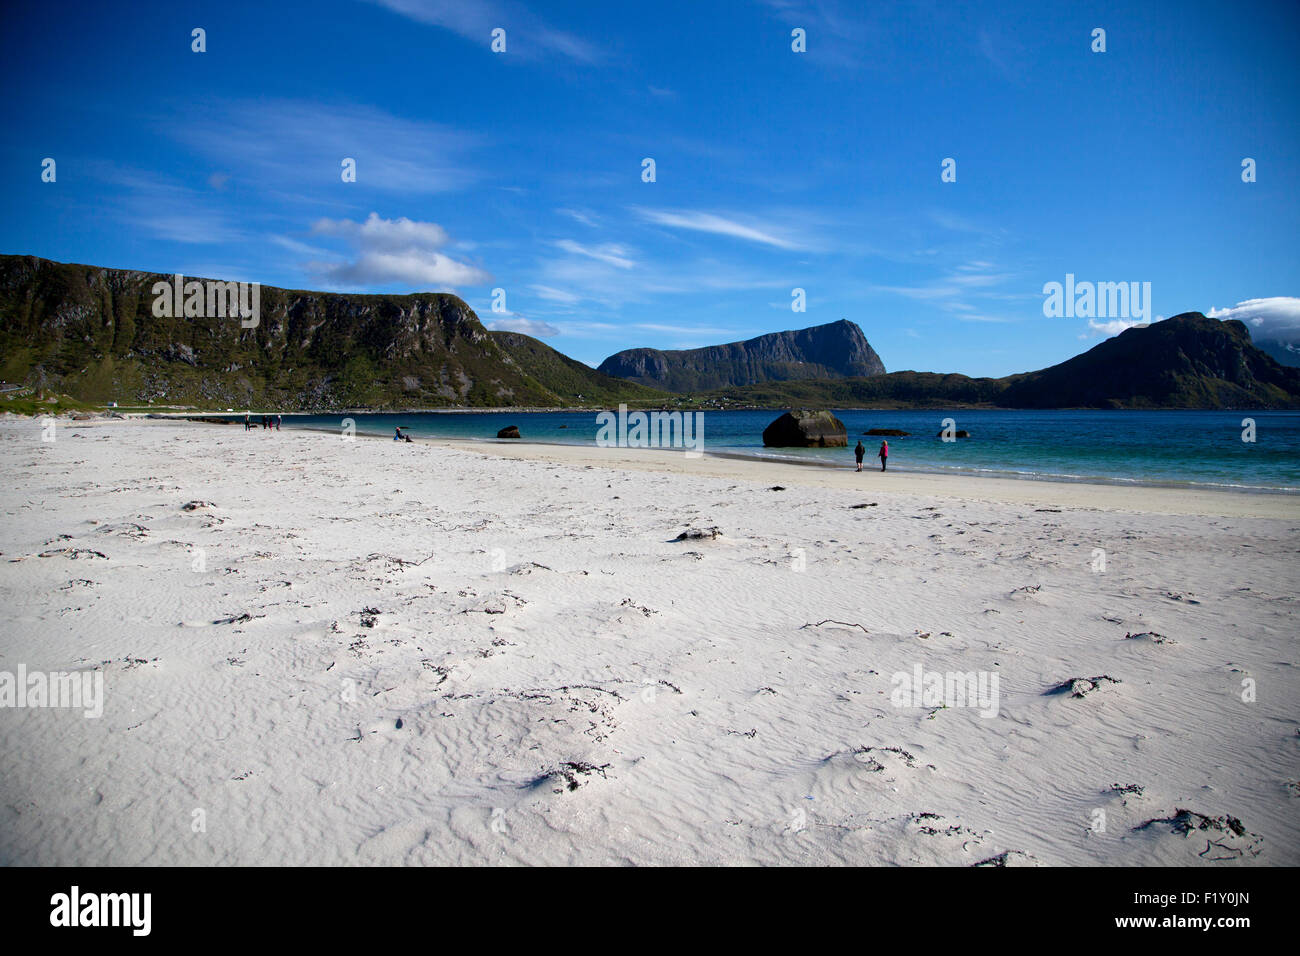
(572, 381)
(91, 333)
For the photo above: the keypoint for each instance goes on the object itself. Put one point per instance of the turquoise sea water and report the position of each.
(1147, 447)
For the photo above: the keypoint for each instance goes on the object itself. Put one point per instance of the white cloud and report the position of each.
(1277, 317)
(376, 233)
(292, 147)
(579, 216)
(611, 253)
(170, 210)
(517, 323)
(430, 270)
(981, 317)
(841, 35)
(526, 34)
(1115, 326)
(718, 225)
(297, 247)
(394, 251)
(601, 284)
(555, 295)
(682, 329)
(962, 291)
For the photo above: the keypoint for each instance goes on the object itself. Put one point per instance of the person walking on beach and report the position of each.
(278, 419)
(858, 453)
(884, 454)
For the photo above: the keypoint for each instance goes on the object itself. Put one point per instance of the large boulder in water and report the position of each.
(805, 429)
(510, 431)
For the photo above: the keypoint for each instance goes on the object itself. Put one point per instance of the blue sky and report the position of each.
(775, 170)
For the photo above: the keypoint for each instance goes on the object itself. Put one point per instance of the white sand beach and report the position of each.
(317, 651)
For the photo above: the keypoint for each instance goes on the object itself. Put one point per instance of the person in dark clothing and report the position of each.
(884, 454)
(858, 453)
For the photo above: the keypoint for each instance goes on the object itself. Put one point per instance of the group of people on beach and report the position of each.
(268, 421)
(883, 454)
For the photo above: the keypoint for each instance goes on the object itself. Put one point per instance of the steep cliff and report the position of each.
(837, 350)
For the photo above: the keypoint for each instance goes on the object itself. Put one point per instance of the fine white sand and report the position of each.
(500, 654)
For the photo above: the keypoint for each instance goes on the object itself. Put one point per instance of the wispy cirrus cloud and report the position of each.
(577, 215)
(1002, 50)
(527, 34)
(968, 292)
(288, 147)
(719, 225)
(572, 279)
(845, 35)
(550, 294)
(611, 253)
(962, 280)
(167, 209)
(388, 251)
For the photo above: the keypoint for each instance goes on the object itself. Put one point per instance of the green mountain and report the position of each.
(91, 333)
(1188, 361)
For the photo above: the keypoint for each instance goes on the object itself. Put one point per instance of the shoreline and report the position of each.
(1146, 499)
(1169, 484)
(959, 480)
(768, 456)
(1095, 494)
(1083, 493)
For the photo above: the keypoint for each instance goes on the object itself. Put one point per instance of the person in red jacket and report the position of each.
(883, 454)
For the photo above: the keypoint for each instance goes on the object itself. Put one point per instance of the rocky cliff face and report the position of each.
(837, 350)
(91, 333)
(1189, 361)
